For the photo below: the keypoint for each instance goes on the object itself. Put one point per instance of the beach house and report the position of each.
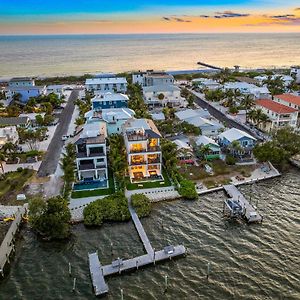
(8, 134)
(279, 115)
(91, 157)
(144, 157)
(151, 78)
(214, 148)
(239, 143)
(109, 100)
(289, 100)
(106, 84)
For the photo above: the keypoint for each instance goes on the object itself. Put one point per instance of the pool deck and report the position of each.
(118, 266)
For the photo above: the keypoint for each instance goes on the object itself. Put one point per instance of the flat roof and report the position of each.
(275, 106)
(14, 121)
(106, 80)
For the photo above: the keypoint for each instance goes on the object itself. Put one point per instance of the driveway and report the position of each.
(51, 159)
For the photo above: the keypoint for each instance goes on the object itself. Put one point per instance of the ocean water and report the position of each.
(78, 54)
(248, 262)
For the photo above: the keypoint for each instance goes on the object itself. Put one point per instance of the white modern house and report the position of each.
(91, 157)
(109, 100)
(106, 84)
(163, 95)
(142, 141)
(248, 89)
(151, 78)
(8, 134)
(279, 115)
(206, 83)
(57, 89)
(295, 71)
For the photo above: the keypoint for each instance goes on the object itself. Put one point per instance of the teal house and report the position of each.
(214, 147)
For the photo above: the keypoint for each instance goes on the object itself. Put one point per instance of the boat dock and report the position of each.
(237, 200)
(7, 245)
(99, 272)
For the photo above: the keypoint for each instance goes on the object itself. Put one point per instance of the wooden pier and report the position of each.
(7, 246)
(248, 210)
(118, 266)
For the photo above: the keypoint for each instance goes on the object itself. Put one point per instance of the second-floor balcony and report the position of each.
(94, 154)
(154, 160)
(91, 166)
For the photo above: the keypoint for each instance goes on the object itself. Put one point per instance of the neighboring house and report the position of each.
(106, 84)
(184, 152)
(91, 156)
(289, 100)
(279, 115)
(295, 71)
(248, 89)
(205, 83)
(56, 89)
(287, 79)
(163, 95)
(151, 78)
(23, 122)
(21, 82)
(26, 92)
(245, 140)
(110, 100)
(142, 141)
(190, 113)
(158, 116)
(8, 134)
(115, 118)
(202, 119)
(214, 147)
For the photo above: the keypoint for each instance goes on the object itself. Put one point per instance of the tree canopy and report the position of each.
(51, 219)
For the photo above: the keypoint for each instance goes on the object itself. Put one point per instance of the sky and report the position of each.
(151, 16)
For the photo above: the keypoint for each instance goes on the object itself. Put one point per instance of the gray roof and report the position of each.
(14, 121)
(17, 79)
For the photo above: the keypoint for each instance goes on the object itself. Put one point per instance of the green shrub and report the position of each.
(230, 160)
(187, 189)
(110, 208)
(20, 169)
(141, 204)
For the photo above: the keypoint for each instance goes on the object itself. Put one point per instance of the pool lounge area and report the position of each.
(90, 185)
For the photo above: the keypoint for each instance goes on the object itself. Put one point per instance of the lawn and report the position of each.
(148, 185)
(100, 192)
(12, 184)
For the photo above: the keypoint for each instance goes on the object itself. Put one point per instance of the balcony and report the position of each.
(90, 166)
(153, 148)
(154, 161)
(137, 150)
(84, 154)
(137, 162)
(136, 137)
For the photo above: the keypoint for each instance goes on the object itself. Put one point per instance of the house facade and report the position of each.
(91, 156)
(279, 115)
(56, 89)
(248, 89)
(144, 157)
(18, 82)
(115, 118)
(106, 84)
(245, 141)
(295, 71)
(205, 83)
(109, 100)
(163, 95)
(214, 147)
(152, 78)
(25, 92)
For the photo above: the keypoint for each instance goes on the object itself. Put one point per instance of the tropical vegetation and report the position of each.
(141, 204)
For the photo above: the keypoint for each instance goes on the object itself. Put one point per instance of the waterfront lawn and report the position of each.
(100, 192)
(149, 185)
(12, 184)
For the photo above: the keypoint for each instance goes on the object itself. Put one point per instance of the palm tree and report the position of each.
(248, 103)
(235, 147)
(204, 151)
(2, 159)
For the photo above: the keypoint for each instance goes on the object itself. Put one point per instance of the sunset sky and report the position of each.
(97, 16)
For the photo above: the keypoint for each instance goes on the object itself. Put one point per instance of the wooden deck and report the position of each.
(7, 245)
(118, 266)
(250, 212)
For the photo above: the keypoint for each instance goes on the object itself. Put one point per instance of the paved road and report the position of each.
(50, 162)
(223, 118)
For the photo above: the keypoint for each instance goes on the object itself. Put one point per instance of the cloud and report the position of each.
(226, 14)
(176, 19)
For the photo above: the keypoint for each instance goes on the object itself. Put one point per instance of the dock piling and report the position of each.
(166, 283)
(208, 270)
(74, 284)
(122, 294)
(70, 269)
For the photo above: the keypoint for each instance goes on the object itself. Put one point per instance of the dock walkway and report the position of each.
(250, 212)
(7, 245)
(118, 266)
